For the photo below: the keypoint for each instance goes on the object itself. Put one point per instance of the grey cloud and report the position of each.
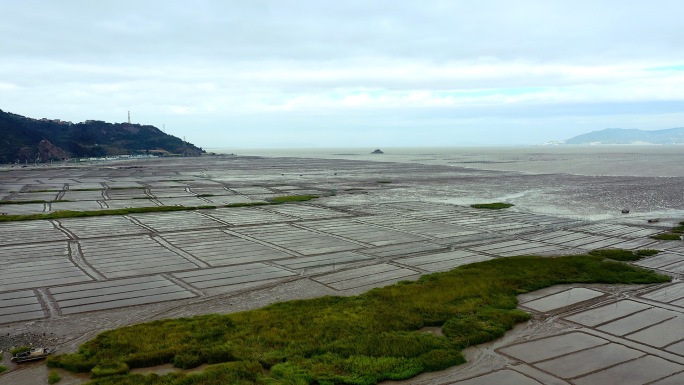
(124, 31)
(201, 66)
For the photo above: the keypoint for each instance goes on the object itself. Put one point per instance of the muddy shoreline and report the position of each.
(358, 197)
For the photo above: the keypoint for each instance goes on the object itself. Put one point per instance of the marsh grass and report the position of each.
(492, 206)
(19, 349)
(668, 237)
(360, 340)
(624, 255)
(26, 202)
(246, 204)
(98, 213)
(292, 198)
(152, 209)
(3, 368)
(646, 252)
(108, 369)
(674, 234)
(54, 377)
(679, 228)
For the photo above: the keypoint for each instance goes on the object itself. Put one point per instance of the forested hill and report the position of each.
(25, 139)
(630, 136)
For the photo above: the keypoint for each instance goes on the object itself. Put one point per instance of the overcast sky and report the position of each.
(252, 74)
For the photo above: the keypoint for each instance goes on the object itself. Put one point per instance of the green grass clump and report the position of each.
(108, 369)
(54, 377)
(623, 255)
(3, 368)
(646, 252)
(246, 204)
(23, 202)
(492, 206)
(359, 340)
(98, 213)
(19, 349)
(667, 237)
(674, 234)
(152, 209)
(678, 229)
(292, 198)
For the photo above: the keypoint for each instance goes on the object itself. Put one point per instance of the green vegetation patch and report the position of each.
(3, 368)
(98, 213)
(246, 204)
(646, 252)
(667, 237)
(108, 369)
(674, 234)
(19, 349)
(23, 202)
(151, 209)
(359, 340)
(292, 198)
(54, 377)
(678, 229)
(492, 206)
(623, 255)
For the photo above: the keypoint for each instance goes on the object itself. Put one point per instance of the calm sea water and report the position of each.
(628, 160)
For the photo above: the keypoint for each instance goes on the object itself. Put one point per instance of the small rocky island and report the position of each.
(377, 151)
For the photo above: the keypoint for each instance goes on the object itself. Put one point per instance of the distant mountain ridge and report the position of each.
(630, 136)
(24, 139)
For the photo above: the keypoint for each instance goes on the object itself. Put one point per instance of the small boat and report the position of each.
(32, 355)
(625, 211)
(377, 151)
(654, 220)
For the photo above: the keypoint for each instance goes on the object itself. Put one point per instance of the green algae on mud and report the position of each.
(152, 209)
(492, 206)
(361, 339)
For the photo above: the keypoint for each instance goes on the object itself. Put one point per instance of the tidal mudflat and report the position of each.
(374, 224)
